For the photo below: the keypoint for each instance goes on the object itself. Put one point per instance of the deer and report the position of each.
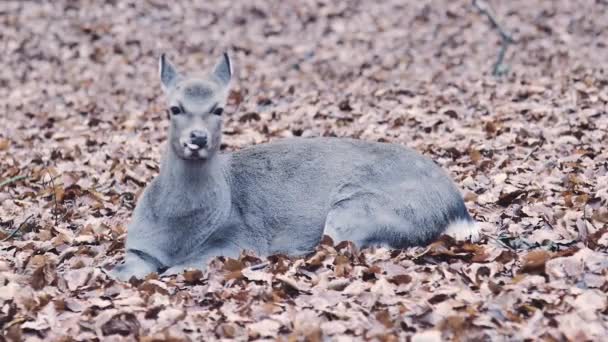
(277, 197)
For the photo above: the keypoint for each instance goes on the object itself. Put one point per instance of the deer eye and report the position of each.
(175, 110)
(218, 111)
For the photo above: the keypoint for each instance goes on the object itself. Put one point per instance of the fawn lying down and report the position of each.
(279, 197)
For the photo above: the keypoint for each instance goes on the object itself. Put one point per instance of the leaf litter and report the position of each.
(83, 124)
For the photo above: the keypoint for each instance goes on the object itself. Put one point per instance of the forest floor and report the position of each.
(83, 124)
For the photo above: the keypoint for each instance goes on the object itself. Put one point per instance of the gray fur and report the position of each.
(167, 72)
(223, 70)
(279, 197)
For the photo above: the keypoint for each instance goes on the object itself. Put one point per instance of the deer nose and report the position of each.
(198, 138)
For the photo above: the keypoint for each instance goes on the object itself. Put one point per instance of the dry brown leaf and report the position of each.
(535, 261)
(264, 328)
(123, 324)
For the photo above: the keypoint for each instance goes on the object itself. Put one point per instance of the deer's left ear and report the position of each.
(167, 72)
(223, 69)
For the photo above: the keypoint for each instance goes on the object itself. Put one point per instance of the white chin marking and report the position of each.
(202, 153)
(198, 153)
(464, 230)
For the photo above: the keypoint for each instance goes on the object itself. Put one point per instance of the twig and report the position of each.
(421, 254)
(56, 209)
(12, 179)
(258, 266)
(536, 148)
(499, 242)
(506, 38)
(17, 229)
(55, 200)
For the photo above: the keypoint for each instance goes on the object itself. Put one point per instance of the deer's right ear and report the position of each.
(168, 74)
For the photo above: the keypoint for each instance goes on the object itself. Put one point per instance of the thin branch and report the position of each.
(421, 254)
(17, 229)
(12, 179)
(483, 8)
(536, 148)
(258, 266)
(584, 233)
(499, 242)
(52, 181)
(56, 211)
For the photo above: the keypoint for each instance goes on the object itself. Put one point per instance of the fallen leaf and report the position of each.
(123, 324)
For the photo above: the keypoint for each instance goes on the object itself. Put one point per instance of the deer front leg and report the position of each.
(137, 264)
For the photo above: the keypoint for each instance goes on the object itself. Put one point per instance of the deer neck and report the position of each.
(195, 185)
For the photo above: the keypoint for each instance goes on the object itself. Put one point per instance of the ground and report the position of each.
(83, 124)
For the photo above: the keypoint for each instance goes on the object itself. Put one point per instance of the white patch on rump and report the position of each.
(464, 230)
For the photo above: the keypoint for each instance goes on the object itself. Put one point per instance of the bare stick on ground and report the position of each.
(56, 208)
(483, 7)
(17, 229)
(258, 266)
(11, 180)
